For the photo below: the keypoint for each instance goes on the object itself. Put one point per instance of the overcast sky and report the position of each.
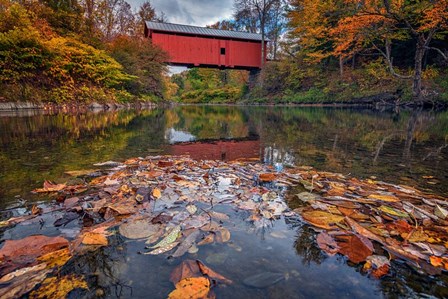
(191, 12)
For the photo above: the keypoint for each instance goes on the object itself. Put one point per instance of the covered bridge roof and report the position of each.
(194, 30)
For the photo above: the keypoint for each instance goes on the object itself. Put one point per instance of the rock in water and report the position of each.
(263, 280)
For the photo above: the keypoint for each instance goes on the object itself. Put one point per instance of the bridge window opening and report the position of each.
(223, 51)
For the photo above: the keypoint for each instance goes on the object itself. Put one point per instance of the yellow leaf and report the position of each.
(56, 258)
(94, 239)
(322, 219)
(192, 288)
(387, 198)
(156, 193)
(54, 287)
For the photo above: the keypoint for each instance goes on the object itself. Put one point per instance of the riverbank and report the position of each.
(14, 106)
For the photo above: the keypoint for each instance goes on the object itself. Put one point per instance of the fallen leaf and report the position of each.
(191, 288)
(22, 284)
(58, 287)
(354, 247)
(212, 274)
(187, 269)
(35, 210)
(186, 244)
(383, 197)
(362, 231)
(267, 177)
(170, 238)
(393, 212)
(163, 249)
(222, 235)
(327, 243)
(138, 229)
(50, 187)
(219, 216)
(94, 239)
(156, 193)
(440, 212)
(436, 261)
(56, 258)
(25, 251)
(322, 219)
(210, 238)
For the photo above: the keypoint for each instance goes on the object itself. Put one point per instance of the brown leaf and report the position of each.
(56, 258)
(25, 251)
(381, 271)
(327, 243)
(222, 235)
(165, 163)
(363, 231)
(50, 187)
(212, 274)
(186, 269)
(210, 238)
(267, 177)
(356, 248)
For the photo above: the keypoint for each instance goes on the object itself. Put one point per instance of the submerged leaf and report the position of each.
(55, 287)
(212, 274)
(138, 229)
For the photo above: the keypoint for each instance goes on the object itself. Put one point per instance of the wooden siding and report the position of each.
(206, 51)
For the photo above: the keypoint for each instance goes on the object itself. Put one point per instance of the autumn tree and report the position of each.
(376, 24)
(255, 16)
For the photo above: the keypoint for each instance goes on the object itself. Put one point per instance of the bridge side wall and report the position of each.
(197, 51)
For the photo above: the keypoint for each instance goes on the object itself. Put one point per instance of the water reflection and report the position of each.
(401, 148)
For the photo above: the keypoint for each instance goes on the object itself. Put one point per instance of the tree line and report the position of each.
(341, 49)
(78, 50)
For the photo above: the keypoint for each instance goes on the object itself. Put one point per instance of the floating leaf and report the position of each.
(267, 177)
(56, 258)
(55, 287)
(186, 244)
(393, 212)
(50, 187)
(156, 193)
(191, 209)
(327, 243)
(362, 231)
(212, 274)
(94, 239)
(16, 252)
(322, 219)
(170, 238)
(163, 249)
(219, 216)
(440, 212)
(192, 288)
(355, 247)
(383, 197)
(22, 282)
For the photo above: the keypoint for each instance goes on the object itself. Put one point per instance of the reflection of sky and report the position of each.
(173, 136)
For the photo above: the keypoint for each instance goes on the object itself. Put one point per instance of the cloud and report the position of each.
(191, 12)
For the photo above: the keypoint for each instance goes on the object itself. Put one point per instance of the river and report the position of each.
(405, 147)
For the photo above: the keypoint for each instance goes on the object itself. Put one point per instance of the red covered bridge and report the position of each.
(193, 46)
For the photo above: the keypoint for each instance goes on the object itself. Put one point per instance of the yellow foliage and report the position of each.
(54, 287)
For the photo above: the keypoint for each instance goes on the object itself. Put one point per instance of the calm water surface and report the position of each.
(405, 148)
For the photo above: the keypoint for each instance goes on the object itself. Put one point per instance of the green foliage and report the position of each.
(43, 58)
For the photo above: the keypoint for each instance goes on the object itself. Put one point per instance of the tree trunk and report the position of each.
(341, 66)
(418, 67)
